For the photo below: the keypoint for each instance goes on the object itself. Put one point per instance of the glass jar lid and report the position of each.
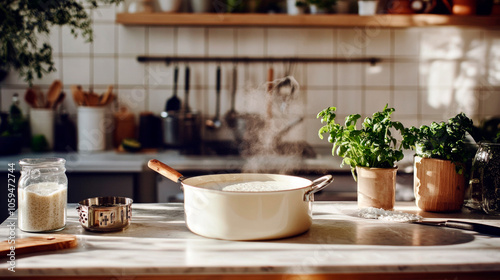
(41, 162)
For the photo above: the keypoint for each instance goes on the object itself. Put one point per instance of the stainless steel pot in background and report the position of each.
(181, 130)
(214, 213)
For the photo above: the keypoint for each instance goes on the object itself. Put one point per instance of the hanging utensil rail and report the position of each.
(170, 59)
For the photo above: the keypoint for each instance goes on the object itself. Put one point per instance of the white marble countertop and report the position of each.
(159, 243)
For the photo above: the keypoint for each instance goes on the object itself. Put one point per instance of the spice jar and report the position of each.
(484, 186)
(42, 192)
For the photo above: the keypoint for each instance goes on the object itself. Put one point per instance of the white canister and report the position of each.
(42, 123)
(291, 7)
(367, 8)
(201, 6)
(91, 128)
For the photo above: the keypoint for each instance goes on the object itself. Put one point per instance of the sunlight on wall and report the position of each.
(493, 68)
(451, 66)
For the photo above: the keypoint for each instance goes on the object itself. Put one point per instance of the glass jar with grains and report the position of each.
(42, 193)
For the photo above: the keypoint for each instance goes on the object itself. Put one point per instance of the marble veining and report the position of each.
(158, 242)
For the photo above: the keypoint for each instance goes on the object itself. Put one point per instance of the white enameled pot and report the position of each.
(214, 213)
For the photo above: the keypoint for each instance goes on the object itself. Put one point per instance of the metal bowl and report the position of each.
(103, 214)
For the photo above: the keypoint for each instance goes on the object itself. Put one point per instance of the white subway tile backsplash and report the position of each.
(406, 103)
(318, 42)
(104, 39)
(317, 100)
(161, 41)
(474, 45)
(489, 102)
(434, 101)
(131, 40)
(349, 74)
(159, 75)
(105, 13)
(76, 70)
(350, 42)
(378, 75)
(191, 41)
(312, 126)
(250, 42)
(321, 74)
(284, 41)
(452, 43)
(72, 45)
(406, 74)
(376, 101)
(131, 72)
(104, 70)
(492, 64)
(378, 42)
(348, 102)
(221, 42)
(407, 42)
(157, 99)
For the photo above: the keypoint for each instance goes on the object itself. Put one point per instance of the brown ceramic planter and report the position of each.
(437, 185)
(464, 7)
(376, 187)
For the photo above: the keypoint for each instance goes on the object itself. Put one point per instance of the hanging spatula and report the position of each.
(174, 103)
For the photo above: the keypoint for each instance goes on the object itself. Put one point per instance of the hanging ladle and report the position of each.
(215, 123)
(232, 116)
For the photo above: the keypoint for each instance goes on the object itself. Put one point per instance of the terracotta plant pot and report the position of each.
(376, 187)
(437, 185)
(464, 7)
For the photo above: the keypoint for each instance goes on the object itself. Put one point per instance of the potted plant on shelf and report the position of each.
(296, 7)
(441, 154)
(371, 151)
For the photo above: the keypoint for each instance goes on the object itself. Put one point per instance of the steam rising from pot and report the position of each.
(264, 144)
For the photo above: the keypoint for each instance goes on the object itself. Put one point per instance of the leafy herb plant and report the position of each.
(373, 145)
(441, 140)
(24, 22)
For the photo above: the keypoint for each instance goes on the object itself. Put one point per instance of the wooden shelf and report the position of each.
(283, 20)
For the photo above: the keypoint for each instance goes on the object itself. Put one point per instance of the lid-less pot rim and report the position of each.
(309, 183)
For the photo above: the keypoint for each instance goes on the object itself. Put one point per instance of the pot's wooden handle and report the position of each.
(165, 170)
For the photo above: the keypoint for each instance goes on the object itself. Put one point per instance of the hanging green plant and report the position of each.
(24, 22)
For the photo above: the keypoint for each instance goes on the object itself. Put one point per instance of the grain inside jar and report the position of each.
(42, 207)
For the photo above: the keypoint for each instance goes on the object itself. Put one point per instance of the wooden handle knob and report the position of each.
(165, 170)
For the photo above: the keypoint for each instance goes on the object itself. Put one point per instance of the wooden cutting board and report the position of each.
(38, 244)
